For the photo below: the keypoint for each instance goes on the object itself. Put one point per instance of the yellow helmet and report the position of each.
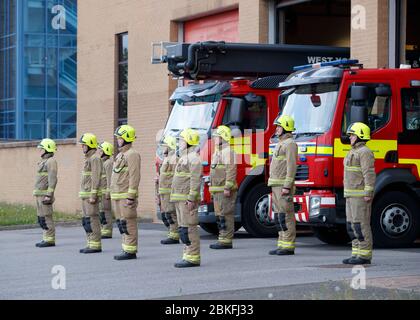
(48, 145)
(107, 148)
(361, 130)
(191, 136)
(89, 139)
(126, 132)
(224, 132)
(286, 122)
(170, 141)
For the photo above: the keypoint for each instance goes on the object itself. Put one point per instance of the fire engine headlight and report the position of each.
(314, 206)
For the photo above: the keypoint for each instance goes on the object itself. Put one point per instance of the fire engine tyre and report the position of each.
(395, 220)
(212, 227)
(255, 213)
(335, 235)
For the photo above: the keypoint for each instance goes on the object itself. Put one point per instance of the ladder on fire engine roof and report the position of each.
(227, 61)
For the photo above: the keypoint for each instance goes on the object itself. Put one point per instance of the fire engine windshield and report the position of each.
(312, 106)
(196, 115)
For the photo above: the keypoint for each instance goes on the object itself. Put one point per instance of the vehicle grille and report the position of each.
(302, 173)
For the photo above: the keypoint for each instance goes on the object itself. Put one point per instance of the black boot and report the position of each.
(359, 260)
(186, 264)
(44, 244)
(106, 237)
(169, 241)
(125, 256)
(89, 250)
(218, 246)
(347, 261)
(284, 252)
(273, 252)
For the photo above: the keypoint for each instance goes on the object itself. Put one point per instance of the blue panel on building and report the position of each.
(38, 69)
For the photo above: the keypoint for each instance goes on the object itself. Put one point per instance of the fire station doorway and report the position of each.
(412, 34)
(309, 22)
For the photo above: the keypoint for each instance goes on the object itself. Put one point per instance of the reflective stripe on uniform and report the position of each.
(129, 249)
(165, 190)
(167, 173)
(173, 235)
(280, 158)
(86, 173)
(230, 184)
(367, 254)
(132, 191)
(353, 168)
(286, 244)
(214, 189)
(182, 174)
(38, 192)
(85, 194)
(279, 182)
(224, 240)
(42, 174)
(123, 169)
(119, 195)
(178, 197)
(355, 193)
(48, 239)
(193, 258)
(106, 232)
(94, 245)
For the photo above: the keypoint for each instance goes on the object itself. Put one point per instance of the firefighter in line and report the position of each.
(223, 187)
(45, 183)
(282, 182)
(89, 193)
(125, 182)
(166, 173)
(186, 195)
(106, 151)
(359, 183)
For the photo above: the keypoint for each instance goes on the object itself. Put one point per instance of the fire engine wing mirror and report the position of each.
(359, 93)
(236, 111)
(359, 97)
(383, 91)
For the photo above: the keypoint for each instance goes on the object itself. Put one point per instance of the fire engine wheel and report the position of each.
(395, 220)
(255, 213)
(336, 235)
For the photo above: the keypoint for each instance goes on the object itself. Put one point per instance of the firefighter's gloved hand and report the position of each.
(285, 192)
(47, 200)
(93, 200)
(191, 205)
(227, 193)
(368, 199)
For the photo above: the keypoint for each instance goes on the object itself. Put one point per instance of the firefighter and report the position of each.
(45, 183)
(125, 182)
(166, 173)
(89, 193)
(186, 194)
(282, 182)
(105, 215)
(223, 187)
(359, 183)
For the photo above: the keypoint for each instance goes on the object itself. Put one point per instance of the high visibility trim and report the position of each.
(167, 173)
(355, 193)
(368, 188)
(353, 168)
(94, 245)
(193, 258)
(42, 174)
(123, 169)
(286, 245)
(106, 232)
(103, 176)
(173, 235)
(165, 190)
(220, 166)
(279, 182)
(129, 249)
(86, 173)
(85, 194)
(224, 240)
(280, 158)
(50, 190)
(133, 191)
(214, 189)
(48, 239)
(178, 197)
(39, 192)
(230, 184)
(119, 195)
(94, 191)
(182, 174)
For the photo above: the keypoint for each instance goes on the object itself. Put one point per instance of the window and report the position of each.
(379, 108)
(122, 78)
(411, 116)
(254, 117)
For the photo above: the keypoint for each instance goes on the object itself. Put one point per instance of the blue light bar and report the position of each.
(335, 63)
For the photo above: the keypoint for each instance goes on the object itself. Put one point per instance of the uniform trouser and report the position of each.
(358, 213)
(284, 219)
(168, 209)
(105, 211)
(91, 224)
(224, 209)
(188, 230)
(127, 224)
(45, 219)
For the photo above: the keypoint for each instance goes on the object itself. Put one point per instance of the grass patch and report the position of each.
(18, 214)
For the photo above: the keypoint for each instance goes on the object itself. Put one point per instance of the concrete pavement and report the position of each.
(247, 272)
